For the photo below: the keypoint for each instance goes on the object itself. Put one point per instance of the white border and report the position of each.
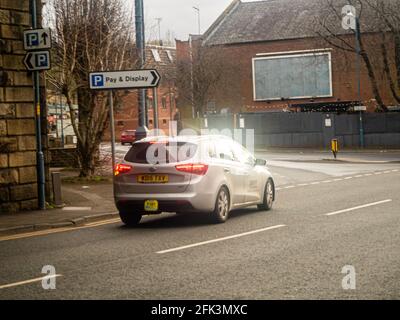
(281, 55)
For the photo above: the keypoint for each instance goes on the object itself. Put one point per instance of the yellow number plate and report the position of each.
(153, 178)
(151, 205)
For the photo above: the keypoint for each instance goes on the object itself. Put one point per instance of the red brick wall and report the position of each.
(126, 114)
(344, 74)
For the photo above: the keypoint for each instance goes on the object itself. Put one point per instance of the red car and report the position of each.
(128, 136)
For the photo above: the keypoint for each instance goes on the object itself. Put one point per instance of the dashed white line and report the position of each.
(220, 239)
(327, 181)
(348, 178)
(16, 284)
(358, 207)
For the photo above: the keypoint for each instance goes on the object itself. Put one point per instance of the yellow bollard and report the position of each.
(335, 147)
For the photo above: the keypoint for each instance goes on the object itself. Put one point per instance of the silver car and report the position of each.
(192, 174)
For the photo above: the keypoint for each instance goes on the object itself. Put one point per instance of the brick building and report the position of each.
(283, 63)
(163, 59)
(18, 188)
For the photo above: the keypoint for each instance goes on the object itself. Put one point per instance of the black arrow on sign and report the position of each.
(44, 37)
(27, 61)
(156, 78)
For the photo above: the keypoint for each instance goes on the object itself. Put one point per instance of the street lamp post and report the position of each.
(142, 130)
(357, 31)
(198, 19)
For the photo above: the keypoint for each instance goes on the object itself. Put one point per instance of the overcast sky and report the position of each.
(179, 17)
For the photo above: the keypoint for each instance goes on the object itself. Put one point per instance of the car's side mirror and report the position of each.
(261, 162)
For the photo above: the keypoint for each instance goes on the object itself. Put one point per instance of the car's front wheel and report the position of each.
(269, 196)
(131, 219)
(222, 206)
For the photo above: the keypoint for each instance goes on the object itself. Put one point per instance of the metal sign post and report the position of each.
(155, 108)
(112, 127)
(38, 62)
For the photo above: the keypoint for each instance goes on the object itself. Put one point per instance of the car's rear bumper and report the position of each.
(176, 202)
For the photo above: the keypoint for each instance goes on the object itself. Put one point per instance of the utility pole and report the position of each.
(142, 130)
(39, 153)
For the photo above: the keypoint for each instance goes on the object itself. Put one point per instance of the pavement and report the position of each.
(83, 203)
(328, 217)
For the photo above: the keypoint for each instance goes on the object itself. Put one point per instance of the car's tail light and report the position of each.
(122, 168)
(194, 168)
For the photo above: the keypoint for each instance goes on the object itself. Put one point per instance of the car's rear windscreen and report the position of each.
(159, 153)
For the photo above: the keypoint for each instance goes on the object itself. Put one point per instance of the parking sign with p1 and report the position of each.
(38, 39)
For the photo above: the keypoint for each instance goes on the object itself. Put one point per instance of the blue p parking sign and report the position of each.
(32, 39)
(97, 80)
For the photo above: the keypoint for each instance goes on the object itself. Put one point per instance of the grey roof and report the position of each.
(283, 19)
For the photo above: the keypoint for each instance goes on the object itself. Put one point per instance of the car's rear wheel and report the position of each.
(222, 206)
(131, 219)
(269, 195)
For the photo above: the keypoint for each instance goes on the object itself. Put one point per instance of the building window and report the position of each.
(292, 76)
(164, 122)
(156, 55)
(149, 102)
(164, 102)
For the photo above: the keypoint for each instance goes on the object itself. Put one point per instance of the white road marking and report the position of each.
(359, 207)
(21, 283)
(368, 175)
(220, 239)
(290, 187)
(386, 172)
(327, 181)
(348, 178)
(378, 173)
(303, 185)
(359, 176)
(338, 180)
(395, 170)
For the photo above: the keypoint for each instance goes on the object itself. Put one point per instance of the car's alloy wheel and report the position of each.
(221, 211)
(269, 193)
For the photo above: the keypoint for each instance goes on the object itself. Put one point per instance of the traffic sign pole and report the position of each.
(41, 181)
(112, 127)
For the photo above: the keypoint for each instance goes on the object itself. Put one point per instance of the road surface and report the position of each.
(327, 216)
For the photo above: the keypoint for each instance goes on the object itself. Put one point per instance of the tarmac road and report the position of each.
(327, 216)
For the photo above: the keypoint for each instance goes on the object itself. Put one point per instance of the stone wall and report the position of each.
(18, 188)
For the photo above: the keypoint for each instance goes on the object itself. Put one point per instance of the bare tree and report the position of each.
(378, 20)
(89, 35)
